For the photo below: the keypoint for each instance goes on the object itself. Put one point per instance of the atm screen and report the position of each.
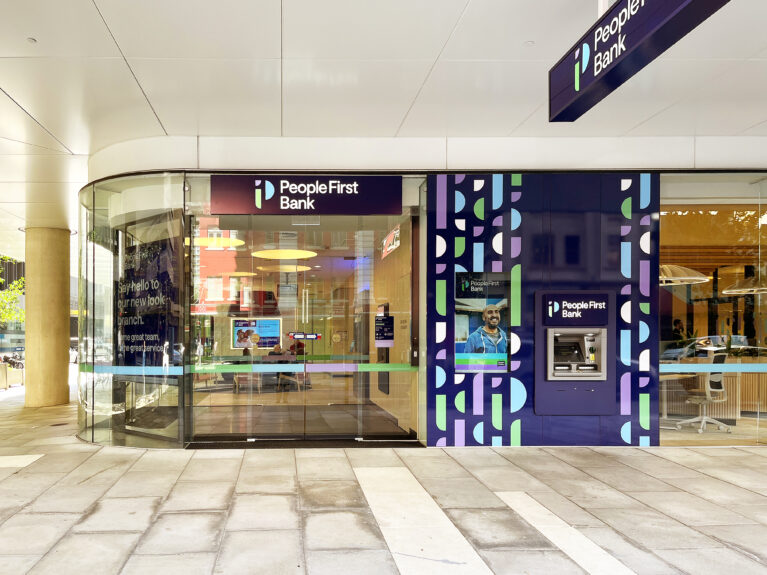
(569, 352)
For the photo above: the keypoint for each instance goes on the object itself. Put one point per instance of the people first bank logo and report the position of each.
(264, 190)
(582, 55)
(302, 195)
(609, 42)
(553, 308)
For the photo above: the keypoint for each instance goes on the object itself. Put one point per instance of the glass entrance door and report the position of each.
(283, 317)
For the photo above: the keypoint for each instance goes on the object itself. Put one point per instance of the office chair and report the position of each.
(713, 392)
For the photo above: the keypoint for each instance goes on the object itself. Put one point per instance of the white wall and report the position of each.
(422, 154)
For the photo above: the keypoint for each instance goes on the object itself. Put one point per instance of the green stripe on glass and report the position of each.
(516, 180)
(441, 413)
(497, 411)
(644, 410)
(516, 433)
(516, 296)
(477, 361)
(441, 302)
(386, 367)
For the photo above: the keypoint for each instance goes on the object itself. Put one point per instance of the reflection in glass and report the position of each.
(713, 316)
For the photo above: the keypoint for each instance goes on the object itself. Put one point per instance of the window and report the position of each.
(215, 287)
(234, 288)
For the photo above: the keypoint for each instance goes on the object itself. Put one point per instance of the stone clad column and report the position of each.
(47, 317)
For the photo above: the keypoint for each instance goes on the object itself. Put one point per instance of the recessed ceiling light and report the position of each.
(32, 40)
(284, 254)
(283, 268)
(528, 43)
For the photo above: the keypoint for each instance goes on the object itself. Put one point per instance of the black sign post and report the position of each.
(627, 38)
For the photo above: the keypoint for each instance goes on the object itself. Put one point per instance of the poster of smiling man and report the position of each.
(481, 322)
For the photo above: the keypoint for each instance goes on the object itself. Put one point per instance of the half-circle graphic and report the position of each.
(269, 187)
(626, 433)
(461, 225)
(644, 242)
(514, 343)
(518, 395)
(460, 201)
(644, 332)
(440, 373)
(626, 208)
(626, 312)
(440, 331)
(441, 246)
(478, 185)
(498, 243)
(479, 432)
(479, 209)
(460, 401)
(516, 219)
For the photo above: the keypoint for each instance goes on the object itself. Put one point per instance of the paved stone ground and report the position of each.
(70, 507)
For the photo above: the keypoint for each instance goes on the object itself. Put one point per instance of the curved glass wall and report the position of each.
(131, 310)
(200, 327)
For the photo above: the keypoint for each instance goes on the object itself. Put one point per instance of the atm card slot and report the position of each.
(587, 368)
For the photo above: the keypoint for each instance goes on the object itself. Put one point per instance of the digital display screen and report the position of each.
(262, 333)
(568, 353)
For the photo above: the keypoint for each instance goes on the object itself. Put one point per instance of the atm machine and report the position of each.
(575, 353)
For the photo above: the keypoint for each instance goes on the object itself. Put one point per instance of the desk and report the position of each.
(664, 378)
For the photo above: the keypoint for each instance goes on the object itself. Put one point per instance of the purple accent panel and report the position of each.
(645, 221)
(514, 365)
(644, 277)
(478, 231)
(441, 268)
(644, 381)
(626, 394)
(478, 395)
(498, 221)
(442, 442)
(625, 230)
(626, 290)
(515, 196)
(459, 178)
(331, 367)
(442, 354)
(497, 267)
(516, 247)
(497, 381)
(460, 433)
(442, 202)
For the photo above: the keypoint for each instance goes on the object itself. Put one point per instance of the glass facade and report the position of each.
(199, 327)
(713, 309)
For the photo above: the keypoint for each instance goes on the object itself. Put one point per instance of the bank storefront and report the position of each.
(444, 309)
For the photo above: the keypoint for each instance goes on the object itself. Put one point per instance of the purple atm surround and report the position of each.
(570, 396)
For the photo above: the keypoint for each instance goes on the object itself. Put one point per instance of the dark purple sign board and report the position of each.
(576, 309)
(301, 195)
(627, 38)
